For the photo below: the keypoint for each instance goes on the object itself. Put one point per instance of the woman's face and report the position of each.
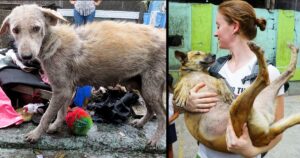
(224, 32)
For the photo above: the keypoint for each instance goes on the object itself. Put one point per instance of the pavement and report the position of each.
(102, 141)
(289, 147)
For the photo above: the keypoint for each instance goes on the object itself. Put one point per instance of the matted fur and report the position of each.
(99, 54)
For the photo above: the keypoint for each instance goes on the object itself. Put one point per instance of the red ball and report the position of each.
(79, 121)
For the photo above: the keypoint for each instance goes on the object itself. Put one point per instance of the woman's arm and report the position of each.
(243, 145)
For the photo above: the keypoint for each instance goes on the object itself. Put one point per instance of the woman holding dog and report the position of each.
(236, 25)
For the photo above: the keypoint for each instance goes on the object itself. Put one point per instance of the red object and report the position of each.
(74, 114)
(8, 115)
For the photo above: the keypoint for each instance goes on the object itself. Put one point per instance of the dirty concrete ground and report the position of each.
(102, 141)
(289, 146)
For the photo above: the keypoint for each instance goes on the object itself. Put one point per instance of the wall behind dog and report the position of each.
(196, 24)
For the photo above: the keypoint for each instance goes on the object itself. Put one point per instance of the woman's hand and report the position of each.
(200, 101)
(242, 145)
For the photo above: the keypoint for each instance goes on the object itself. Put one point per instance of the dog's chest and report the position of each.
(213, 123)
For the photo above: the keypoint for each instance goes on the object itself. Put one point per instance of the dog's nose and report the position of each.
(26, 57)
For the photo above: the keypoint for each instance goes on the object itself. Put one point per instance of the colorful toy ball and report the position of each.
(79, 121)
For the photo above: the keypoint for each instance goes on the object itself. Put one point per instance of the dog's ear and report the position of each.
(5, 26)
(52, 16)
(182, 57)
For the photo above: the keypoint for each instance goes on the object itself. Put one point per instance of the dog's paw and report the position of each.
(137, 123)
(181, 95)
(181, 100)
(293, 48)
(32, 136)
(153, 143)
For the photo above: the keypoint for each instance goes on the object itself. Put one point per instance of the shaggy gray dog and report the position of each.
(98, 54)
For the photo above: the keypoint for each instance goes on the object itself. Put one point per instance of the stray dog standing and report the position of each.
(98, 54)
(254, 106)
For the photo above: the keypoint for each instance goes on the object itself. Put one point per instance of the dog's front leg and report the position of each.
(181, 92)
(60, 117)
(60, 97)
(224, 91)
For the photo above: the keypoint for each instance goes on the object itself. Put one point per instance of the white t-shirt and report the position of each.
(234, 80)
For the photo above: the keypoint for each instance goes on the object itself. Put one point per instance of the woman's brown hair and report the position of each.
(243, 13)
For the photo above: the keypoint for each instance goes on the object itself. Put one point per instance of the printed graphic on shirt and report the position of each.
(237, 90)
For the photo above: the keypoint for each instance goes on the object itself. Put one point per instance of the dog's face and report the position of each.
(195, 60)
(27, 24)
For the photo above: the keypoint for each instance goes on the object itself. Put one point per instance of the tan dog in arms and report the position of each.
(254, 106)
(98, 54)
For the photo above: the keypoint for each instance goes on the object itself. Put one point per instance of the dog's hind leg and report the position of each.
(160, 112)
(266, 136)
(242, 105)
(139, 123)
(135, 84)
(283, 124)
(60, 97)
(267, 99)
(153, 83)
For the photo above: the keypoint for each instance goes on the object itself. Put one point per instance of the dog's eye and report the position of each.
(36, 29)
(16, 30)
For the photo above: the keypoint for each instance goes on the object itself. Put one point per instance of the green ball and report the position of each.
(79, 121)
(82, 126)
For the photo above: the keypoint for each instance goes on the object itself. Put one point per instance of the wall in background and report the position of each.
(196, 24)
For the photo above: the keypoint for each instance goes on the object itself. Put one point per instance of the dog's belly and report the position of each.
(209, 128)
(97, 81)
(213, 123)
(110, 80)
